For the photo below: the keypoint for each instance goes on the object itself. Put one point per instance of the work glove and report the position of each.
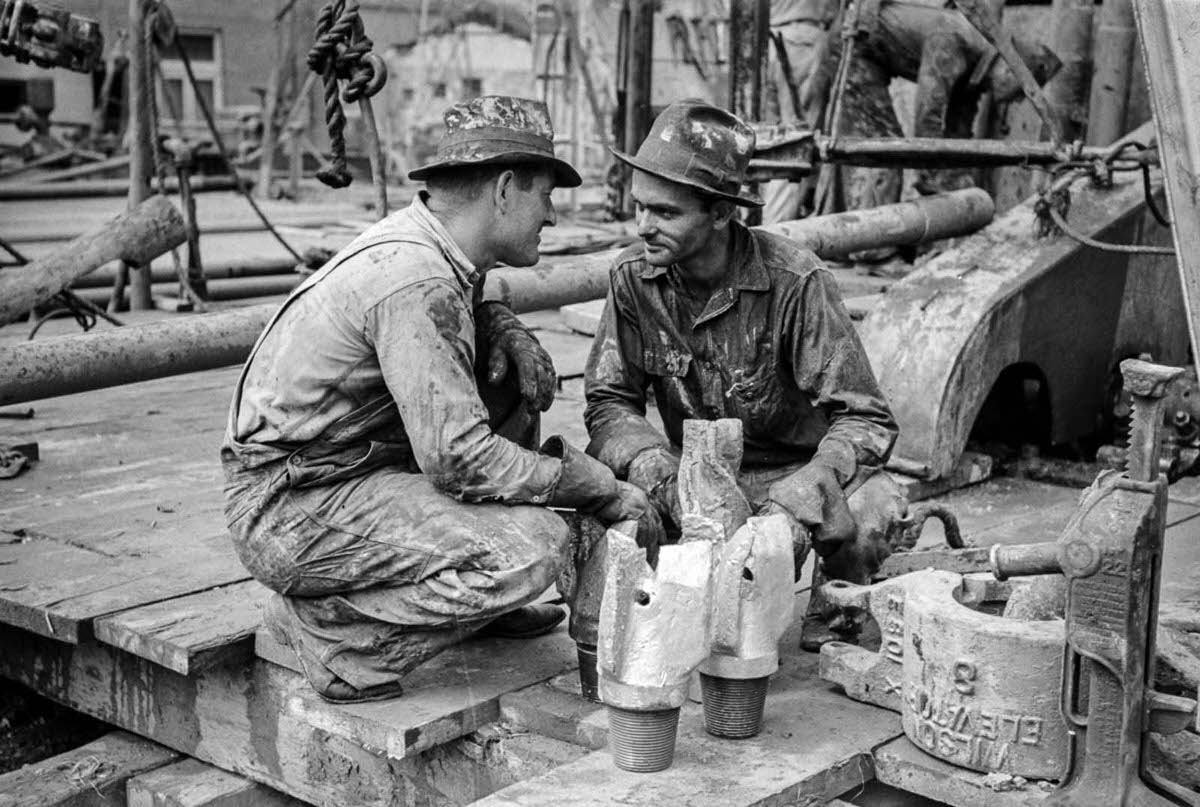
(814, 498)
(631, 504)
(656, 471)
(880, 507)
(587, 485)
(510, 346)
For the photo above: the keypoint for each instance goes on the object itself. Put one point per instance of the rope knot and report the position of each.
(342, 50)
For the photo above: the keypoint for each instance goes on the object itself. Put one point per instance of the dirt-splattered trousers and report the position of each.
(367, 480)
(773, 346)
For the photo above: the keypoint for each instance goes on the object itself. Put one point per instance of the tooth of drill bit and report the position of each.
(1146, 384)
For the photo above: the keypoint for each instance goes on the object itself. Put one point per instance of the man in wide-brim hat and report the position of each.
(382, 473)
(727, 322)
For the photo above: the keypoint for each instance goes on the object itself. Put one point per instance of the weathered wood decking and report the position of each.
(120, 596)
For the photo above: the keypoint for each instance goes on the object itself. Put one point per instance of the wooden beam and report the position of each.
(92, 775)
(57, 589)
(191, 633)
(264, 722)
(452, 694)
(192, 783)
(141, 149)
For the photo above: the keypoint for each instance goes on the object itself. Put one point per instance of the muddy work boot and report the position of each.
(525, 622)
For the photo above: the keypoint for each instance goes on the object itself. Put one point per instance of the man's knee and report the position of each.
(535, 543)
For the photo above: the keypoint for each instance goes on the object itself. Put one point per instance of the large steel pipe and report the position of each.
(232, 288)
(834, 236)
(68, 364)
(17, 191)
(163, 272)
(137, 237)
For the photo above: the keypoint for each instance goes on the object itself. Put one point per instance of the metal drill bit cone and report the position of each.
(733, 707)
(589, 676)
(642, 742)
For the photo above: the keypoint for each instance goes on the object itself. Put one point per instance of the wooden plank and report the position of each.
(452, 694)
(56, 589)
(264, 722)
(192, 783)
(555, 708)
(815, 745)
(902, 765)
(92, 775)
(191, 633)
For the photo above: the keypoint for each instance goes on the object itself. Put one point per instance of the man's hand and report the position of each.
(512, 346)
(656, 471)
(815, 499)
(630, 503)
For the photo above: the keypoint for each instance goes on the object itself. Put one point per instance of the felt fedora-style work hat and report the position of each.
(700, 145)
(501, 130)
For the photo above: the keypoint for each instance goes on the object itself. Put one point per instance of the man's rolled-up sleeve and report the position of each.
(615, 387)
(831, 366)
(424, 337)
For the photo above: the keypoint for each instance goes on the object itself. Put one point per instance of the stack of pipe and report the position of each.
(63, 365)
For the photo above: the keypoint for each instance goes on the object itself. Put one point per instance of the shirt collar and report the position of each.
(458, 259)
(751, 274)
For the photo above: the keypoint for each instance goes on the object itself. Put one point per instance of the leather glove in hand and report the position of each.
(815, 499)
(512, 347)
(879, 505)
(587, 485)
(656, 471)
(630, 503)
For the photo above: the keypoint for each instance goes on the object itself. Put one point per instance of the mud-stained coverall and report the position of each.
(774, 347)
(367, 481)
(935, 47)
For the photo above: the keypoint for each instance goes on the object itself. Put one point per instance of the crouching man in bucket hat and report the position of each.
(381, 461)
(727, 322)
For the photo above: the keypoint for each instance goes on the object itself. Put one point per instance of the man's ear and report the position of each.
(723, 211)
(503, 188)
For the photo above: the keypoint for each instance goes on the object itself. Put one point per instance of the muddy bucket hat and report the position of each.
(501, 130)
(700, 145)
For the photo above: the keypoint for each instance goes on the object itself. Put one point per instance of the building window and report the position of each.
(471, 88)
(12, 95)
(203, 49)
(439, 89)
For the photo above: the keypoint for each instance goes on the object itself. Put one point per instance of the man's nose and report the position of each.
(646, 223)
(551, 216)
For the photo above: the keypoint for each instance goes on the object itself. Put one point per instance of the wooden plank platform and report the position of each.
(191, 633)
(123, 509)
(451, 695)
(191, 783)
(814, 745)
(906, 767)
(264, 722)
(115, 540)
(92, 775)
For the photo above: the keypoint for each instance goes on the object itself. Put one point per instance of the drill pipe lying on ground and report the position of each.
(63, 365)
